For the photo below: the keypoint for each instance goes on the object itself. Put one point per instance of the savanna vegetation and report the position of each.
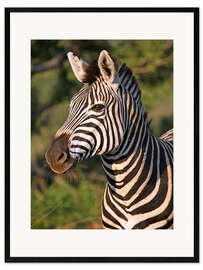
(74, 200)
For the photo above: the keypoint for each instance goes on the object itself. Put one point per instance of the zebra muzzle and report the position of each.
(58, 156)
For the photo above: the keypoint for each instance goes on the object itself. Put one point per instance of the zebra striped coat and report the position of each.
(106, 118)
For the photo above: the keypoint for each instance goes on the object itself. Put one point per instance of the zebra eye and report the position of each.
(98, 107)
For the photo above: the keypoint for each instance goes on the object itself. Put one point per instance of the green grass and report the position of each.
(63, 206)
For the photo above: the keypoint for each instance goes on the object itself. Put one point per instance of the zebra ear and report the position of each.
(78, 65)
(107, 66)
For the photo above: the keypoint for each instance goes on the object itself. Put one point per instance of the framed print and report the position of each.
(102, 134)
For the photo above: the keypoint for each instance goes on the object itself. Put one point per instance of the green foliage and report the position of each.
(64, 206)
(57, 202)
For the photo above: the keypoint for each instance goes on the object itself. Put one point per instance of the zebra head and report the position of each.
(95, 124)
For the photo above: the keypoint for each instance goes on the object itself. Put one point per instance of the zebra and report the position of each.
(106, 118)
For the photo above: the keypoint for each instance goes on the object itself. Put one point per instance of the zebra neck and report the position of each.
(125, 169)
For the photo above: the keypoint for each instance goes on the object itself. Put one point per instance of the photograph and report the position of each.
(102, 134)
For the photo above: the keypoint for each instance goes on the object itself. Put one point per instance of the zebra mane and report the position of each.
(92, 72)
(129, 82)
(148, 122)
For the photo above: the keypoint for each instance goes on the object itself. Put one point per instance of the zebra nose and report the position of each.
(61, 158)
(58, 156)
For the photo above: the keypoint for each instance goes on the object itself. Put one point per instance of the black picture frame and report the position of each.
(8, 257)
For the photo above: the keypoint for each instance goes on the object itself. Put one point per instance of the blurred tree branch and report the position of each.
(41, 176)
(39, 170)
(55, 62)
(41, 109)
